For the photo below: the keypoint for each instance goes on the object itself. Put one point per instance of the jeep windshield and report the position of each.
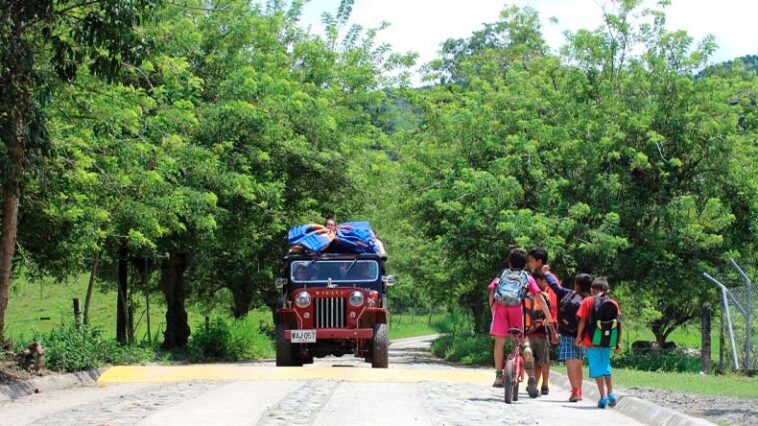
(321, 271)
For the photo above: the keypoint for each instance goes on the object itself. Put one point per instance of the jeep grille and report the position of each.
(330, 312)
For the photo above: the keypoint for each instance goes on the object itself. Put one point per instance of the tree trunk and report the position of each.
(172, 283)
(90, 286)
(146, 289)
(11, 195)
(661, 330)
(243, 299)
(8, 239)
(475, 302)
(122, 312)
(15, 95)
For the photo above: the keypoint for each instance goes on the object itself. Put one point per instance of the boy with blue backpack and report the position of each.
(599, 331)
(506, 297)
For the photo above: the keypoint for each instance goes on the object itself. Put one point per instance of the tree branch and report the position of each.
(204, 9)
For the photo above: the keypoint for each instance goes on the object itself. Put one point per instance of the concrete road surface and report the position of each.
(417, 389)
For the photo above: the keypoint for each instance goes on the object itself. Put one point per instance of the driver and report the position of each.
(299, 273)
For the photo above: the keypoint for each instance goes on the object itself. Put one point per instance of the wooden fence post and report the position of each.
(77, 313)
(705, 331)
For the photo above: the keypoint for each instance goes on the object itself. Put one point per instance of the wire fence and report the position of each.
(743, 309)
(738, 332)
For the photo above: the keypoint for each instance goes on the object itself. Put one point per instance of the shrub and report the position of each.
(71, 348)
(658, 361)
(471, 349)
(231, 339)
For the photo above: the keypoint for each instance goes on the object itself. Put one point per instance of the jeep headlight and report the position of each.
(303, 299)
(356, 298)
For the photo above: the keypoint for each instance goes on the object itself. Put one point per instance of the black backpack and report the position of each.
(604, 324)
(568, 322)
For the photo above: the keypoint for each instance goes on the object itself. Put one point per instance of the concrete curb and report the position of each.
(49, 383)
(636, 408)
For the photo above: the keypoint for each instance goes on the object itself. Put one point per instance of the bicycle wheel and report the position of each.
(518, 368)
(508, 381)
(515, 390)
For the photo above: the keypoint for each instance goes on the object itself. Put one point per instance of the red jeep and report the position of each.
(333, 304)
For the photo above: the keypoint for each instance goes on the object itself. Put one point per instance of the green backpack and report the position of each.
(604, 325)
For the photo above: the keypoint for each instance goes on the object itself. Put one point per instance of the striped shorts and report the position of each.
(569, 350)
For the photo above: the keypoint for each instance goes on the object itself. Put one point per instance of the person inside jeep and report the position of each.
(300, 273)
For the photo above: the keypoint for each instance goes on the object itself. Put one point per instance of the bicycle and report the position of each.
(514, 369)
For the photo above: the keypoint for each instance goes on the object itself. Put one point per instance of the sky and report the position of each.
(422, 25)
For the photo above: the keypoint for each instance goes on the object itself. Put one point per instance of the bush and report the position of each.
(71, 348)
(476, 349)
(231, 339)
(471, 349)
(658, 361)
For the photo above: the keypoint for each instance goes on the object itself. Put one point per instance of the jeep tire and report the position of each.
(380, 348)
(285, 355)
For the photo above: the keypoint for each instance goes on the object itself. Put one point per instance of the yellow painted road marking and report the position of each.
(162, 374)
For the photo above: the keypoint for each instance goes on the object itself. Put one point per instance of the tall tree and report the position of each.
(39, 38)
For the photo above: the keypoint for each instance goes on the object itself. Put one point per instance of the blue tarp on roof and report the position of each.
(351, 237)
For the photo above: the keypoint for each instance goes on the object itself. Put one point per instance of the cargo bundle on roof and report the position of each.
(350, 237)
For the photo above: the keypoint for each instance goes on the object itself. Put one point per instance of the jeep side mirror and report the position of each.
(389, 280)
(280, 283)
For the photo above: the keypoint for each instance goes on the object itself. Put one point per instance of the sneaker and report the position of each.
(545, 390)
(579, 394)
(531, 388)
(611, 399)
(602, 403)
(498, 379)
(575, 396)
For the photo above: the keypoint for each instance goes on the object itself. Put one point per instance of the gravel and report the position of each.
(718, 409)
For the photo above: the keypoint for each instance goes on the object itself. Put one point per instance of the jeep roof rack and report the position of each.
(334, 256)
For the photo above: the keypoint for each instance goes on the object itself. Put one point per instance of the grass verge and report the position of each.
(729, 385)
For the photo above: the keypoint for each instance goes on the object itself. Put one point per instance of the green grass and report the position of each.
(31, 301)
(407, 325)
(729, 385)
(686, 336)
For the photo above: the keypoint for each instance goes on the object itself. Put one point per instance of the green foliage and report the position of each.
(465, 348)
(749, 62)
(658, 361)
(68, 348)
(230, 339)
(237, 123)
(612, 155)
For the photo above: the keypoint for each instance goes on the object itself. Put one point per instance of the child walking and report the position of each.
(506, 299)
(599, 331)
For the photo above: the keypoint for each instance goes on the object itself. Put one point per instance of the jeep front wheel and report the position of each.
(285, 356)
(380, 351)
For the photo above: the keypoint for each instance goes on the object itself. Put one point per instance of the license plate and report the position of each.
(303, 336)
